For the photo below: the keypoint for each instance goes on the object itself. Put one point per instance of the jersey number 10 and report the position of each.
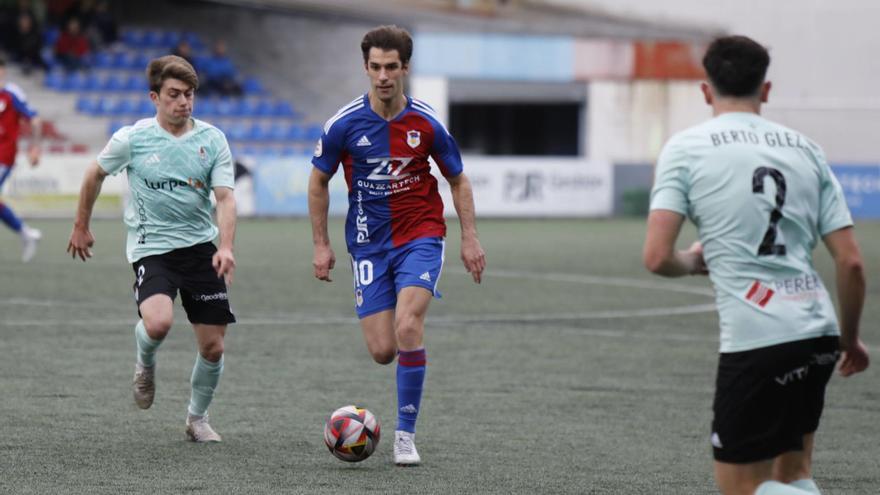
(768, 244)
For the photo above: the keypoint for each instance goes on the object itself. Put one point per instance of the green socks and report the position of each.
(205, 377)
(146, 347)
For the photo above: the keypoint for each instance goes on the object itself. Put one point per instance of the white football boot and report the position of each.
(144, 385)
(198, 429)
(29, 239)
(405, 453)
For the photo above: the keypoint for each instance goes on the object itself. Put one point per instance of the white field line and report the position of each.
(301, 319)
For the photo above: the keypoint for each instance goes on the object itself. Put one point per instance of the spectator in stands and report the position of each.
(72, 47)
(184, 51)
(103, 30)
(219, 73)
(28, 44)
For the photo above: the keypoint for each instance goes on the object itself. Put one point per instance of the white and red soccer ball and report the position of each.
(351, 433)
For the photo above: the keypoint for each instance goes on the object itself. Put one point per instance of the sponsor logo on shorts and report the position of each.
(219, 296)
(794, 375)
(359, 297)
(716, 441)
(759, 294)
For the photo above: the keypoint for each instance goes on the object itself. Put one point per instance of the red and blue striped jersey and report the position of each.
(13, 106)
(392, 196)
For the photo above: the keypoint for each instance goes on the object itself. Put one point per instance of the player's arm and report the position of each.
(850, 274)
(472, 253)
(319, 204)
(81, 239)
(36, 148)
(223, 260)
(660, 255)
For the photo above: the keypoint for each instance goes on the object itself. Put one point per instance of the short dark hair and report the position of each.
(388, 38)
(171, 67)
(736, 65)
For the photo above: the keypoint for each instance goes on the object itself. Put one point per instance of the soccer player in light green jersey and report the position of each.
(761, 196)
(173, 163)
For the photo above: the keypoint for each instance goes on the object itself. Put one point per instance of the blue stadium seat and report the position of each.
(136, 82)
(133, 38)
(102, 60)
(139, 61)
(122, 60)
(106, 106)
(75, 81)
(91, 83)
(85, 104)
(257, 132)
(278, 131)
(152, 38)
(295, 132)
(126, 106)
(283, 109)
(206, 107)
(54, 79)
(253, 87)
(171, 39)
(225, 107)
(113, 83)
(146, 107)
(264, 108)
(238, 132)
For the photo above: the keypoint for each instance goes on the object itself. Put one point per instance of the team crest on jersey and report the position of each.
(319, 148)
(203, 155)
(413, 138)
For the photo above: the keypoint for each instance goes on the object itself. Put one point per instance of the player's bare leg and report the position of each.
(751, 479)
(409, 329)
(796, 467)
(378, 330)
(157, 316)
(205, 378)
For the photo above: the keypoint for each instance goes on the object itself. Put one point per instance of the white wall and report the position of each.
(824, 72)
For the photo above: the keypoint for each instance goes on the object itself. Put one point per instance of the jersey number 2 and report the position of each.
(768, 244)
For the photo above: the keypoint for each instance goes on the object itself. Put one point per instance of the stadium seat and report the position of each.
(295, 132)
(283, 109)
(152, 38)
(257, 132)
(252, 87)
(102, 60)
(54, 79)
(112, 83)
(136, 82)
(313, 132)
(278, 131)
(86, 104)
(146, 107)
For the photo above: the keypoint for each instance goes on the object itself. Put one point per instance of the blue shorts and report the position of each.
(379, 277)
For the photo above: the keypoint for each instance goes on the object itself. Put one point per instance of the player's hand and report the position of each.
(474, 258)
(855, 358)
(80, 243)
(324, 260)
(224, 264)
(34, 153)
(698, 266)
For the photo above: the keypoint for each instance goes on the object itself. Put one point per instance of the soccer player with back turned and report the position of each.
(173, 163)
(761, 196)
(395, 227)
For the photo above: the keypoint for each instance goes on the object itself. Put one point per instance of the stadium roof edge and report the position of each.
(524, 17)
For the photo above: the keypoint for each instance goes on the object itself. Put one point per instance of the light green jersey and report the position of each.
(170, 179)
(761, 195)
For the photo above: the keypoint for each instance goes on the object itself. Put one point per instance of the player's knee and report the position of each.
(212, 351)
(408, 330)
(383, 356)
(157, 326)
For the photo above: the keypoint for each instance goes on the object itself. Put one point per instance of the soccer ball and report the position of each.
(351, 433)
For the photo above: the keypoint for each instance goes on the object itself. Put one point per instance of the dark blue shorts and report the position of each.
(379, 277)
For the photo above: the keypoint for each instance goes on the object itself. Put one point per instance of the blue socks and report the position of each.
(146, 347)
(9, 218)
(410, 379)
(205, 377)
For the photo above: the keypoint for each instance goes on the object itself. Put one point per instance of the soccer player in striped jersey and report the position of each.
(13, 109)
(395, 227)
(173, 163)
(761, 196)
